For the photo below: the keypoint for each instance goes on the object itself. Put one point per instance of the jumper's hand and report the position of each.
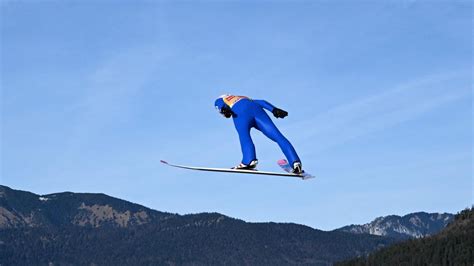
(278, 113)
(226, 111)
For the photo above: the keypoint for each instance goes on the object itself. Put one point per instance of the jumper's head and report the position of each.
(218, 102)
(222, 107)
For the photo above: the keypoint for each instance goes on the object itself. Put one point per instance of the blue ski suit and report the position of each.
(249, 113)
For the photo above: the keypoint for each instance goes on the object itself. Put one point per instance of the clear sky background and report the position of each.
(379, 95)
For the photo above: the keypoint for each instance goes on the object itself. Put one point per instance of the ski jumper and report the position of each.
(249, 113)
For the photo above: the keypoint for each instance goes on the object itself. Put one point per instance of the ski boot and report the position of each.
(297, 168)
(251, 166)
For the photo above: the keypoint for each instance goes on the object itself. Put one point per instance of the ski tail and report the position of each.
(287, 168)
(285, 165)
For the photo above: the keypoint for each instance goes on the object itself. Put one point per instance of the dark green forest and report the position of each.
(190, 240)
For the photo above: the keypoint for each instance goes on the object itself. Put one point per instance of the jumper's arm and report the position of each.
(265, 105)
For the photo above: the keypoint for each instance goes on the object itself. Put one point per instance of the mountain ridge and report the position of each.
(35, 210)
(69, 228)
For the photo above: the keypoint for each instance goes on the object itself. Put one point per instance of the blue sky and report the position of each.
(379, 95)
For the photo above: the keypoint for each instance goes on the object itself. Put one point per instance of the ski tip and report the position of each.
(162, 161)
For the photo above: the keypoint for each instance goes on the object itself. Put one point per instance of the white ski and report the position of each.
(225, 170)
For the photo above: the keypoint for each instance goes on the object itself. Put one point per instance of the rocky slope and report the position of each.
(414, 225)
(20, 209)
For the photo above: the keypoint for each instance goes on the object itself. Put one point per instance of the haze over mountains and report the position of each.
(86, 228)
